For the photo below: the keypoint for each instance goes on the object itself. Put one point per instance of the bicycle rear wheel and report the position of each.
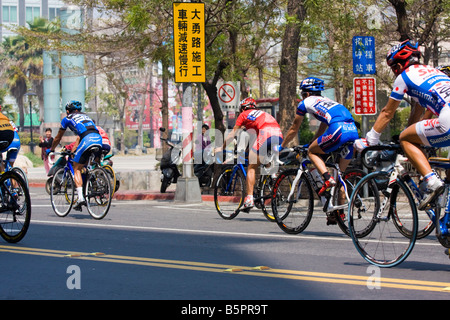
(292, 214)
(15, 209)
(62, 192)
(375, 208)
(112, 177)
(229, 193)
(98, 193)
(266, 198)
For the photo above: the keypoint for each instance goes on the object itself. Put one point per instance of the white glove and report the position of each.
(360, 144)
(373, 137)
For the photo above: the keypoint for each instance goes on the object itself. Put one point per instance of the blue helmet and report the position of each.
(312, 84)
(73, 105)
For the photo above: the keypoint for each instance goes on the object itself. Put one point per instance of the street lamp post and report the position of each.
(29, 94)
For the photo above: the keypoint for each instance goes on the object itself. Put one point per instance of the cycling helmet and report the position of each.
(247, 103)
(405, 53)
(444, 69)
(312, 84)
(73, 105)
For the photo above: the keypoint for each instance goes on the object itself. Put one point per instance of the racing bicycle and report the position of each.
(15, 203)
(230, 188)
(97, 188)
(385, 203)
(296, 190)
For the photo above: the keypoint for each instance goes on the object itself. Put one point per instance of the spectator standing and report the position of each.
(45, 143)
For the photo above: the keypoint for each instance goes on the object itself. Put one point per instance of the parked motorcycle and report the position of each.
(204, 171)
(169, 161)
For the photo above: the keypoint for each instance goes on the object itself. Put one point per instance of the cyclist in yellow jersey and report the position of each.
(6, 135)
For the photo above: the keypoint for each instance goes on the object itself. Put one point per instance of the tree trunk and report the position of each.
(288, 64)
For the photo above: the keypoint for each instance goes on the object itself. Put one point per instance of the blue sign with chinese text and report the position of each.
(363, 55)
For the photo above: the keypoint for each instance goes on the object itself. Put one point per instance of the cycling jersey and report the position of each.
(5, 123)
(14, 148)
(256, 119)
(421, 83)
(84, 127)
(264, 125)
(324, 110)
(431, 89)
(79, 123)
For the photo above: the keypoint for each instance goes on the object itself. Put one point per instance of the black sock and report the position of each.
(326, 176)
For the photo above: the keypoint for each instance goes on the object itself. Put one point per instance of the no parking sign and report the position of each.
(228, 94)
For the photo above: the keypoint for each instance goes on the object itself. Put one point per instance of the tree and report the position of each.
(295, 14)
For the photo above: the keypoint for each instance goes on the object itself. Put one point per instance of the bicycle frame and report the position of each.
(326, 201)
(399, 171)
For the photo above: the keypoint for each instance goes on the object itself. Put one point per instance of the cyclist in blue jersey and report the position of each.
(89, 136)
(14, 148)
(332, 115)
(430, 88)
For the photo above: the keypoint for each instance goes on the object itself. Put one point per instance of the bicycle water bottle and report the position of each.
(317, 178)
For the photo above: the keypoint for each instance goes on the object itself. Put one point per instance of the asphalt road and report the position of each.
(159, 250)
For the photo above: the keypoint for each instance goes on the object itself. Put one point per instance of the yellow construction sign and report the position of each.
(189, 41)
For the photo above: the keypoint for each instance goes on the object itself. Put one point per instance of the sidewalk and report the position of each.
(125, 164)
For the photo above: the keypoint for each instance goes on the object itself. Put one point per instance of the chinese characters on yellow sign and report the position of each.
(189, 41)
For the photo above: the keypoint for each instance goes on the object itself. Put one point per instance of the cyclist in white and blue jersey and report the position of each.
(430, 88)
(82, 125)
(332, 115)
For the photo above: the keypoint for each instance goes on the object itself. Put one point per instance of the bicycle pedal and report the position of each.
(246, 210)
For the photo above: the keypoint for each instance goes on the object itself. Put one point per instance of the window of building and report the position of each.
(9, 14)
(53, 13)
(31, 13)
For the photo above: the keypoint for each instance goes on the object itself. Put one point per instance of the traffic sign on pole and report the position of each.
(189, 41)
(363, 55)
(364, 95)
(228, 94)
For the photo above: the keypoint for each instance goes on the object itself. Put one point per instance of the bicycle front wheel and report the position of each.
(375, 208)
(62, 192)
(15, 210)
(98, 193)
(351, 178)
(292, 205)
(229, 193)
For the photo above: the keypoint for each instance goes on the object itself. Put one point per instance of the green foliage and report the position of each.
(36, 160)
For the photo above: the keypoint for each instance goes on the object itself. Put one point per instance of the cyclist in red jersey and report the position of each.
(267, 134)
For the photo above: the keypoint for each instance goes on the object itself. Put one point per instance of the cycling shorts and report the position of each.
(90, 140)
(435, 132)
(337, 134)
(13, 148)
(267, 138)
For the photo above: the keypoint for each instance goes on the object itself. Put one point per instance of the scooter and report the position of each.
(204, 171)
(169, 161)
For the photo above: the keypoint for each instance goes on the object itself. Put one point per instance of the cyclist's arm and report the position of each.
(230, 136)
(416, 113)
(386, 115)
(75, 144)
(57, 139)
(292, 132)
(322, 128)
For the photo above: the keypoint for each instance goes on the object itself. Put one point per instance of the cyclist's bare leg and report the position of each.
(410, 142)
(314, 152)
(251, 171)
(77, 167)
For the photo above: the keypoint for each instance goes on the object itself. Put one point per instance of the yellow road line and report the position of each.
(259, 271)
